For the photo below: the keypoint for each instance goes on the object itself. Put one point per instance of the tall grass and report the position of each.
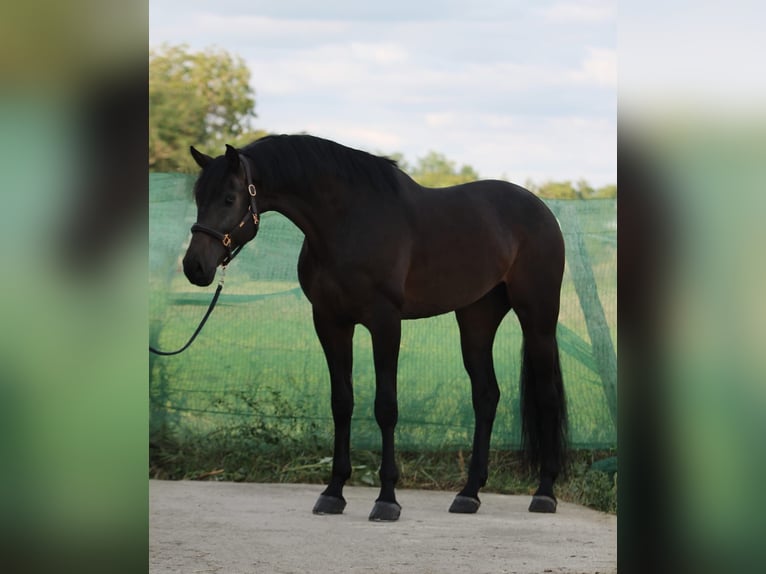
(264, 447)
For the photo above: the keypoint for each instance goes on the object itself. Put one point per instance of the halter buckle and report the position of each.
(251, 189)
(226, 240)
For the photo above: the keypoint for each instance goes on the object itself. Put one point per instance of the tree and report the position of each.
(607, 191)
(400, 160)
(567, 190)
(435, 170)
(557, 190)
(583, 190)
(196, 98)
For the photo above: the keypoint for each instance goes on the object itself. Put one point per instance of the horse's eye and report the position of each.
(230, 199)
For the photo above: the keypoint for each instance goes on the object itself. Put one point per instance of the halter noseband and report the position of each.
(252, 211)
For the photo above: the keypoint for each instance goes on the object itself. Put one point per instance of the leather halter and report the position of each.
(252, 212)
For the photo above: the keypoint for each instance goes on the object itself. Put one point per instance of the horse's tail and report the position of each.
(543, 407)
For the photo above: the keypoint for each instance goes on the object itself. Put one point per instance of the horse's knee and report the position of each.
(342, 409)
(386, 410)
(485, 401)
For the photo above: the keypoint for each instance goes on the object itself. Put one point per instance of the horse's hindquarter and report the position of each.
(465, 241)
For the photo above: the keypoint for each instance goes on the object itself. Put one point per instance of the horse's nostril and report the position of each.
(192, 267)
(196, 272)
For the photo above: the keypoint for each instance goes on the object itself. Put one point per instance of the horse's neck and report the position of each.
(311, 213)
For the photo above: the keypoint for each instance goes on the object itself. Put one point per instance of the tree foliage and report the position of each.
(435, 170)
(567, 190)
(196, 98)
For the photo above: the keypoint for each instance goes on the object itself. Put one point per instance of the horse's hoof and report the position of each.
(542, 503)
(385, 511)
(329, 505)
(465, 505)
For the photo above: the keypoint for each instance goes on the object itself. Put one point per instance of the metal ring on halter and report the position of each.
(252, 211)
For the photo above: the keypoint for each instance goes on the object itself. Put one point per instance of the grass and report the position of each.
(288, 448)
(270, 344)
(230, 460)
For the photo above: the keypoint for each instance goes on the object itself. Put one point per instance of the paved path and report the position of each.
(233, 528)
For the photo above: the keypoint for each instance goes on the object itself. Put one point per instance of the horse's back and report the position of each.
(467, 240)
(495, 212)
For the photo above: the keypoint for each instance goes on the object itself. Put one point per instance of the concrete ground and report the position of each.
(232, 528)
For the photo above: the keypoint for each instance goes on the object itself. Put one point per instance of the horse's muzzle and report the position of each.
(197, 273)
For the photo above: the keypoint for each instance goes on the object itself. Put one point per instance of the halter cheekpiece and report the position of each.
(252, 212)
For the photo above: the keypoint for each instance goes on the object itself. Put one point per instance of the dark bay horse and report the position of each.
(380, 248)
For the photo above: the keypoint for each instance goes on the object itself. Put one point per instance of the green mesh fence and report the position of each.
(258, 355)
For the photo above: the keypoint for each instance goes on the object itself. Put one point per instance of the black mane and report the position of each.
(304, 159)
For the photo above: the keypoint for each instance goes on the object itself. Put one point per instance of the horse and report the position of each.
(378, 249)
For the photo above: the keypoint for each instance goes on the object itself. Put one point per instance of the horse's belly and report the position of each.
(421, 309)
(447, 292)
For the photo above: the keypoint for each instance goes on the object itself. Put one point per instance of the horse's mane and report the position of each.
(304, 159)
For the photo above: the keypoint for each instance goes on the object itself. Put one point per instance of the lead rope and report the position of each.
(202, 323)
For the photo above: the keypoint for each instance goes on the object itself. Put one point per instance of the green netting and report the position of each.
(258, 354)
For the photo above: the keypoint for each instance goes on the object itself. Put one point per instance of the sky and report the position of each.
(517, 90)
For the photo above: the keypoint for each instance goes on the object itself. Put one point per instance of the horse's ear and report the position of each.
(201, 159)
(232, 156)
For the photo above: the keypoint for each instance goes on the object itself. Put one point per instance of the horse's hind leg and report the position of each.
(478, 324)
(336, 341)
(543, 406)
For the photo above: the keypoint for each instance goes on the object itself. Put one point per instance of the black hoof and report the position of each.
(465, 505)
(542, 503)
(385, 511)
(329, 505)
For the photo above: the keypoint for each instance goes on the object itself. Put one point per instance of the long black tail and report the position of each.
(543, 407)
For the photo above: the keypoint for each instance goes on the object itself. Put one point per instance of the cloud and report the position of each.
(498, 93)
(379, 53)
(262, 30)
(581, 12)
(346, 10)
(598, 68)
(370, 139)
(440, 120)
(520, 147)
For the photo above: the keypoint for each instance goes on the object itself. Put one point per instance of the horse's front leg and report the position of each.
(385, 329)
(336, 341)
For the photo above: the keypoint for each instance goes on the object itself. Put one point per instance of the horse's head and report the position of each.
(227, 217)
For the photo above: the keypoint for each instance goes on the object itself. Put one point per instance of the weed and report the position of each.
(270, 441)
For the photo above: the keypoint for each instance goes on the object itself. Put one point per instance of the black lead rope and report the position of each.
(225, 238)
(202, 323)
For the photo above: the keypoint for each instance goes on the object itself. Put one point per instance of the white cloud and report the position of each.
(369, 139)
(581, 12)
(440, 120)
(260, 29)
(599, 67)
(501, 93)
(379, 53)
(520, 147)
